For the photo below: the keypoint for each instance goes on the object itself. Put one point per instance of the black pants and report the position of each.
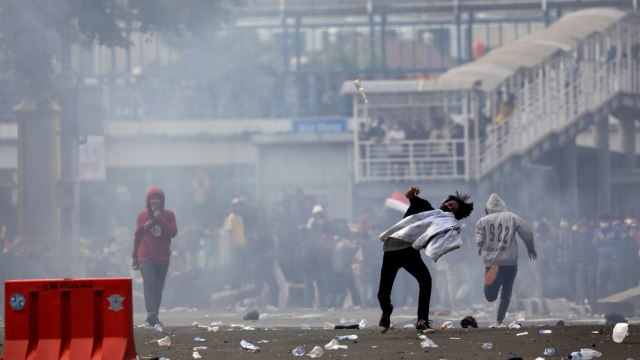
(410, 260)
(153, 278)
(505, 278)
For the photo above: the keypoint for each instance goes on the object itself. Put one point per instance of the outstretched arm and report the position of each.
(416, 204)
(525, 233)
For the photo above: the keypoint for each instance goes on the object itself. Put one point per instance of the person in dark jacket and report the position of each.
(402, 254)
(155, 227)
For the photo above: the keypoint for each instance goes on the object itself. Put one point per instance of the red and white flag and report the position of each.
(397, 201)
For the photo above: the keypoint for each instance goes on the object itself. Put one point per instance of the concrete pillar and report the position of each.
(603, 167)
(38, 176)
(567, 172)
(628, 124)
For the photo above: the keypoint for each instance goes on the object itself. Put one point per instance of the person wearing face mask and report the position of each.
(155, 227)
(498, 247)
(609, 243)
(423, 227)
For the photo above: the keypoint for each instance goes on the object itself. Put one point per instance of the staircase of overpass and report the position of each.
(554, 105)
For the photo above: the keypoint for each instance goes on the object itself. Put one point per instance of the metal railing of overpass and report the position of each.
(553, 78)
(270, 8)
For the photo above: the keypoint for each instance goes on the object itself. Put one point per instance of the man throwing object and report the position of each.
(422, 227)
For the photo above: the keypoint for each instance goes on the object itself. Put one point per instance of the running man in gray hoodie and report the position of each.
(496, 237)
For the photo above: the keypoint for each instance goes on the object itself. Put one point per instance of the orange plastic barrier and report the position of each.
(69, 319)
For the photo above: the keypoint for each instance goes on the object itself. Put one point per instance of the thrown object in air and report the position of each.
(358, 85)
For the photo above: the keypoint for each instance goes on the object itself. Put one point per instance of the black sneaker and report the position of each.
(385, 321)
(425, 326)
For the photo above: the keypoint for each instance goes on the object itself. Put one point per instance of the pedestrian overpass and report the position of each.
(520, 104)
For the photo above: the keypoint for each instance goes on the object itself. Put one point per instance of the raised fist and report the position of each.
(412, 192)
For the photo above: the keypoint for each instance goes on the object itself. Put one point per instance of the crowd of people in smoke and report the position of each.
(298, 255)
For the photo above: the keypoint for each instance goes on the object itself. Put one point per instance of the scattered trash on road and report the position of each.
(428, 343)
(249, 346)
(316, 352)
(619, 332)
(165, 341)
(334, 345)
(346, 337)
(298, 351)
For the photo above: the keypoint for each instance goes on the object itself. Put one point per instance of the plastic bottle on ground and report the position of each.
(487, 346)
(346, 337)
(588, 354)
(585, 354)
(316, 352)
(298, 351)
(447, 325)
(334, 345)
(249, 346)
(576, 355)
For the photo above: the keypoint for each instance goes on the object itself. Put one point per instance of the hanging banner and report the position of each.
(92, 159)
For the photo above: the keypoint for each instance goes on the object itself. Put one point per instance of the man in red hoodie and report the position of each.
(155, 227)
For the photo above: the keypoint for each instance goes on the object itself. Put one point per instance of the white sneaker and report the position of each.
(495, 325)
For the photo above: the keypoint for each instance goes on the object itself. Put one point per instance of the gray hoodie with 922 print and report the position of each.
(496, 234)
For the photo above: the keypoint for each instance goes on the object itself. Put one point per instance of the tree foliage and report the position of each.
(31, 30)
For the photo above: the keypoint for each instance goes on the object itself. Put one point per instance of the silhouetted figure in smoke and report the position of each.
(342, 259)
(155, 227)
(609, 245)
(233, 244)
(496, 237)
(317, 245)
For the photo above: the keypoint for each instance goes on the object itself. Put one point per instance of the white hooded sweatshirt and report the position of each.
(496, 234)
(436, 231)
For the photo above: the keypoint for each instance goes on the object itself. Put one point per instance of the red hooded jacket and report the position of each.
(153, 244)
